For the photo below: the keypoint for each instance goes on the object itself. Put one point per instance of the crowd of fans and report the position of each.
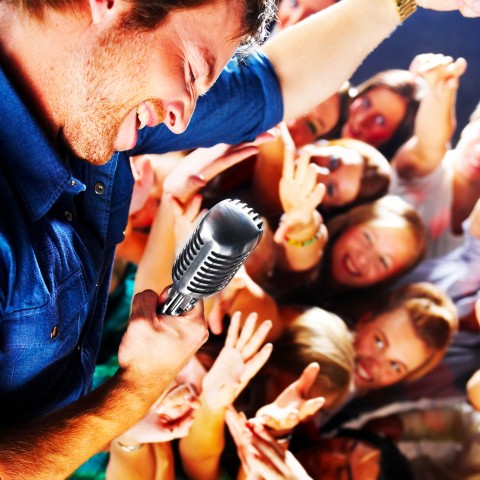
(346, 345)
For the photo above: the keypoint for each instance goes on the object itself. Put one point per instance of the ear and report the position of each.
(101, 10)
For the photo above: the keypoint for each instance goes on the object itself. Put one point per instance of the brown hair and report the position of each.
(377, 172)
(405, 84)
(387, 210)
(433, 316)
(317, 336)
(149, 14)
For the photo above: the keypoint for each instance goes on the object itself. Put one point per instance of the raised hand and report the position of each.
(468, 8)
(292, 406)
(260, 454)
(169, 418)
(440, 72)
(240, 359)
(300, 193)
(199, 167)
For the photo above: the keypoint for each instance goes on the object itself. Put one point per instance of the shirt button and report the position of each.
(72, 183)
(99, 188)
(79, 347)
(54, 332)
(68, 216)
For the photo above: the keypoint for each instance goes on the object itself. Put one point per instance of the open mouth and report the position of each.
(350, 265)
(149, 114)
(363, 373)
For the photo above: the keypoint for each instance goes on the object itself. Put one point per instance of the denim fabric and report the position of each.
(58, 234)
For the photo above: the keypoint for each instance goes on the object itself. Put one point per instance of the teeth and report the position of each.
(142, 114)
(362, 373)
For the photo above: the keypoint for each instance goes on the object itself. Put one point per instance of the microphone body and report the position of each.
(215, 251)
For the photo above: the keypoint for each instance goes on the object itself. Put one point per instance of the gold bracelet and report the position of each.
(129, 448)
(405, 8)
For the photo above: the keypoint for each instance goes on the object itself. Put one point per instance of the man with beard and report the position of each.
(79, 80)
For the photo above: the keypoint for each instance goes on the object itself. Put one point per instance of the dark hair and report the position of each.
(387, 209)
(149, 14)
(393, 464)
(410, 88)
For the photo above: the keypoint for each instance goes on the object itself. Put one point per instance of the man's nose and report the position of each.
(178, 115)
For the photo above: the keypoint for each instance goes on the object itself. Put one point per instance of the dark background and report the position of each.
(428, 31)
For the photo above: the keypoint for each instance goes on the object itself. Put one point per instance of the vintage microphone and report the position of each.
(216, 250)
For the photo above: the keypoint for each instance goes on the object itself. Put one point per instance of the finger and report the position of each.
(257, 339)
(302, 165)
(307, 378)
(288, 169)
(192, 208)
(310, 407)
(233, 329)
(144, 305)
(255, 364)
(318, 194)
(215, 317)
(310, 180)
(247, 331)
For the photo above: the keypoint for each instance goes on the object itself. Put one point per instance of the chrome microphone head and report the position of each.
(216, 250)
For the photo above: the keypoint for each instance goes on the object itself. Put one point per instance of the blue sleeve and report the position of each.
(244, 102)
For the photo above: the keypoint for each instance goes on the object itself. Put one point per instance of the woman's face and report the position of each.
(387, 349)
(341, 171)
(375, 116)
(315, 123)
(369, 253)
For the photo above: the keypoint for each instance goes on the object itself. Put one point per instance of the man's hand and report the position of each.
(240, 359)
(292, 406)
(468, 8)
(158, 346)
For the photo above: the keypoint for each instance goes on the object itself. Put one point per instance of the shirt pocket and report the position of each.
(37, 344)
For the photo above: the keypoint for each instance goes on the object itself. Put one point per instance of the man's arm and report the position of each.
(153, 350)
(313, 58)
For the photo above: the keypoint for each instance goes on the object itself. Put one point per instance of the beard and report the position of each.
(105, 93)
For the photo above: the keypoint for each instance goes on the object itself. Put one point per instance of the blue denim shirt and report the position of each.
(60, 220)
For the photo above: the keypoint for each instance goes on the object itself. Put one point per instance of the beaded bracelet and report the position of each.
(304, 243)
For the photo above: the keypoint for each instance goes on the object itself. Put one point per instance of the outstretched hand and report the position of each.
(240, 359)
(260, 453)
(468, 8)
(292, 406)
(170, 417)
(199, 167)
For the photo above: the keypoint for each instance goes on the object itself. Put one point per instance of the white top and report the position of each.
(432, 197)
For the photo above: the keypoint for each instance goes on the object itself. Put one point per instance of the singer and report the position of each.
(79, 81)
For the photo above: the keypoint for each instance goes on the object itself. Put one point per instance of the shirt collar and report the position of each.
(32, 163)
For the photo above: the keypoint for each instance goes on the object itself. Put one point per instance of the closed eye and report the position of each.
(385, 262)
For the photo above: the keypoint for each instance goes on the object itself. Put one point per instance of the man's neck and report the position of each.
(36, 55)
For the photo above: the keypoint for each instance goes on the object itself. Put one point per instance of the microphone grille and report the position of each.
(216, 250)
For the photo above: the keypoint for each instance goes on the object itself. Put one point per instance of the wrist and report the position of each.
(405, 8)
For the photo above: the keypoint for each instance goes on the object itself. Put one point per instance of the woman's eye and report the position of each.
(395, 367)
(366, 102)
(385, 262)
(379, 343)
(312, 127)
(330, 189)
(333, 162)
(368, 237)
(380, 120)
